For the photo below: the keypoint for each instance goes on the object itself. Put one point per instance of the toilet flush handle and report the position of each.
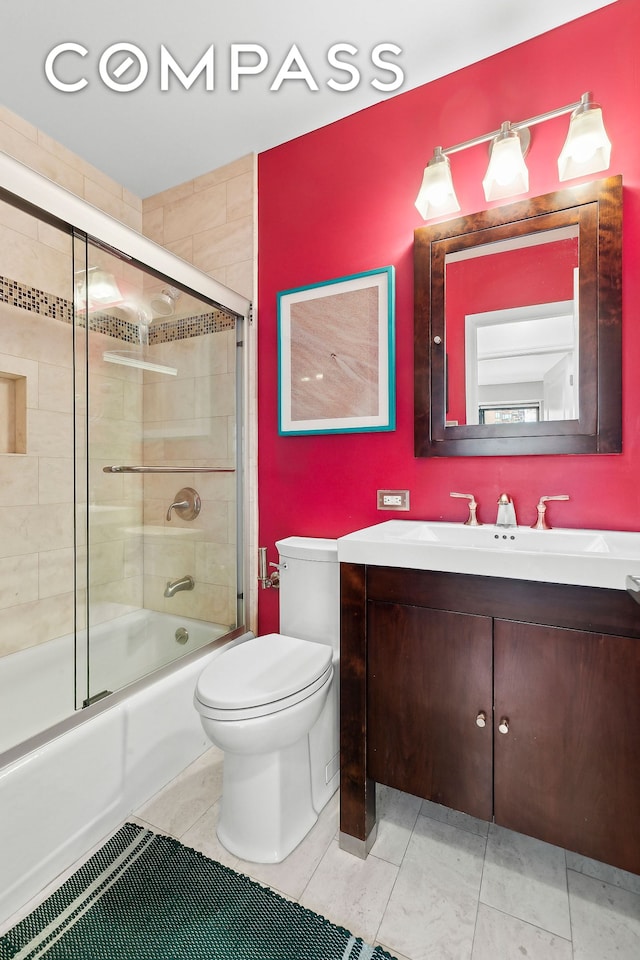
(275, 576)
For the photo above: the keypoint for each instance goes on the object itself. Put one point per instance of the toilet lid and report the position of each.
(263, 670)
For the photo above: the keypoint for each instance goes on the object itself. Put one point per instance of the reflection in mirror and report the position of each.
(512, 330)
(521, 364)
(517, 341)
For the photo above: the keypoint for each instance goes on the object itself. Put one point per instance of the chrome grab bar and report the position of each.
(163, 469)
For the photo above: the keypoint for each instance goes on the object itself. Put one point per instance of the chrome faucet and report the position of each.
(184, 583)
(506, 512)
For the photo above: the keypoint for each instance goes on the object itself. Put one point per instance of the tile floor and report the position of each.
(438, 885)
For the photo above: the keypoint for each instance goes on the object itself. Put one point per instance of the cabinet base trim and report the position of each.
(356, 847)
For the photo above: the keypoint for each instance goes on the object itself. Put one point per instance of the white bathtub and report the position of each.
(37, 684)
(65, 789)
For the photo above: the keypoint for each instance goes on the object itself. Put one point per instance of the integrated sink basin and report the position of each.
(597, 558)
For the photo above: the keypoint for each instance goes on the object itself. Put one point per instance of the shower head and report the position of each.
(163, 304)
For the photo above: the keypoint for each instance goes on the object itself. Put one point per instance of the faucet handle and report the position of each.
(541, 521)
(472, 519)
(186, 504)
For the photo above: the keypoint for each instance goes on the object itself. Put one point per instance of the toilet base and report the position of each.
(267, 805)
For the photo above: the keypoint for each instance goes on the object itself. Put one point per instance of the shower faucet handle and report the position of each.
(187, 504)
(175, 505)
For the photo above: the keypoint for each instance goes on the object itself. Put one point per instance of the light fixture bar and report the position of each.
(540, 118)
(587, 150)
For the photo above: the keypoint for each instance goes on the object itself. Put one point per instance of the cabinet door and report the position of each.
(429, 677)
(568, 769)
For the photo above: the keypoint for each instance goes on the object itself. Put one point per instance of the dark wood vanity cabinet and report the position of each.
(440, 664)
(422, 708)
(568, 771)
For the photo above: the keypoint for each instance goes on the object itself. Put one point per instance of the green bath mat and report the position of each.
(144, 896)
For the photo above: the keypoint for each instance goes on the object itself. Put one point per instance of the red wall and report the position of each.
(340, 201)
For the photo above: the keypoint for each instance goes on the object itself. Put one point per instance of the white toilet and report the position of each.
(271, 703)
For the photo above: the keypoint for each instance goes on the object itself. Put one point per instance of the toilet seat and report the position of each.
(262, 676)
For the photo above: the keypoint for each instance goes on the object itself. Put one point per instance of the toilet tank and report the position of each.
(310, 589)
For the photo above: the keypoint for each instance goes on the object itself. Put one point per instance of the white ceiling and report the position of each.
(149, 140)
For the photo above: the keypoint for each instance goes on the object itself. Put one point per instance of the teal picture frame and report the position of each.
(336, 355)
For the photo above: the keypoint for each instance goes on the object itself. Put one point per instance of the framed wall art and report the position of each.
(336, 355)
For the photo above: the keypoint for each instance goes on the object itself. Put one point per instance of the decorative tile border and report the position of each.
(28, 298)
(112, 326)
(35, 301)
(187, 327)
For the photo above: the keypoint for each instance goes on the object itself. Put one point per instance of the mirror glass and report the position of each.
(511, 326)
(517, 334)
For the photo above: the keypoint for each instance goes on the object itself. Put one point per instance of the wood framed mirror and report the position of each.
(518, 327)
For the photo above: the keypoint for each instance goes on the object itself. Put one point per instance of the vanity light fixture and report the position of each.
(437, 196)
(96, 289)
(587, 150)
(507, 172)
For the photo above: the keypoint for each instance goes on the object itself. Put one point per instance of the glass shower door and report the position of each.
(157, 471)
(36, 474)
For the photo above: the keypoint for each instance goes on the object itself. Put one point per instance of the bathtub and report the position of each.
(37, 684)
(63, 790)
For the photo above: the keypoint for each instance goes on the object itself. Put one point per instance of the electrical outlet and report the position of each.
(393, 499)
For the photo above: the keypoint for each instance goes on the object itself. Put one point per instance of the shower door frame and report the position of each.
(28, 189)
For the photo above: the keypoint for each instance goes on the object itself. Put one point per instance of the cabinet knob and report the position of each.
(503, 726)
(481, 719)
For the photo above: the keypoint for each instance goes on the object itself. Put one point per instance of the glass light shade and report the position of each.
(587, 148)
(103, 286)
(507, 172)
(98, 287)
(437, 196)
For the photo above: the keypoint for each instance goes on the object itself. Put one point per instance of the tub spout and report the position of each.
(184, 583)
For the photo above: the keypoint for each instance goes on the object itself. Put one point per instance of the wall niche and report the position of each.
(13, 413)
